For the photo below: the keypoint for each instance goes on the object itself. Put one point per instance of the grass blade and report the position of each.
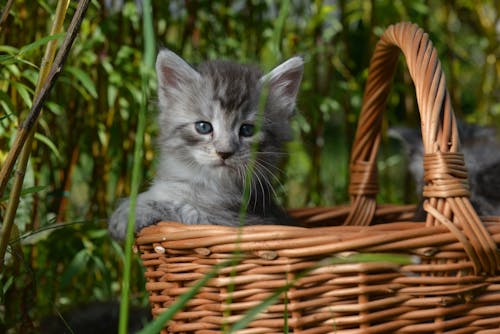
(148, 59)
(351, 258)
(84, 79)
(50, 144)
(27, 191)
(156, 325)
(36, 44)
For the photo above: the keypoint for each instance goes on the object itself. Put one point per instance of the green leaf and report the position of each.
(78, 264)
(421, 8)
(15, 55)
(7, 285)
(84, 79)
(373, 257)
(118, 250)
(106, 277)
(32, 190)
(7, 109)
(99, 264)
(34, 237)
(50, 144)
(24, 91)
(55, 108)
(97, 234)
(157, 324)
(10, 56)
(39, 43)
(253, 312)
(7, 106)
(9, 49)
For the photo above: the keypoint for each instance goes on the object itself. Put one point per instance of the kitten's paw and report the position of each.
(190, 215)
(118, 222)
(146, 213)
(149, 212)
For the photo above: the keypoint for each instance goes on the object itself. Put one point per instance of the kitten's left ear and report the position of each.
(173, 72)
(284, 81)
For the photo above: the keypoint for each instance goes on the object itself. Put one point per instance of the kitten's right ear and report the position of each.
(173, 71)
(284, 81)
(411, 138)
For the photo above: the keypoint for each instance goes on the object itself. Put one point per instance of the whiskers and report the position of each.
(264, 173)
(278, 154)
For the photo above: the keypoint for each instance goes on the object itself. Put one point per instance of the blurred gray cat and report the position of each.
(481, 148)
(207, 120)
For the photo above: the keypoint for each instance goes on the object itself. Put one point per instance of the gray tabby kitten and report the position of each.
(207, 120)
(481, 148)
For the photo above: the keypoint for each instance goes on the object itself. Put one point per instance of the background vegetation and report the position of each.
(82, 157)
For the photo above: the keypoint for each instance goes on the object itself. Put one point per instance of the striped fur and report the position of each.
(200, 177)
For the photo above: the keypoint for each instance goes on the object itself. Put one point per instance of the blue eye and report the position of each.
(203, 128)
(246, 130)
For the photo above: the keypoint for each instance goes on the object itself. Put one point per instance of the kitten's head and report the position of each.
(481, 149)
(208, 116)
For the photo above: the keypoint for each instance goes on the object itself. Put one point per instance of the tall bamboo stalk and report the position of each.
(15, 192)
(51, 68)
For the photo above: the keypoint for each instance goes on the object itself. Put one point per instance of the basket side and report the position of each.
(323, 280)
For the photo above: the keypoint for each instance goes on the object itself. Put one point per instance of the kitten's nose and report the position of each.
(224, 155)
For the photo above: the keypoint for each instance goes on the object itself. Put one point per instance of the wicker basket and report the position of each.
(447, 279)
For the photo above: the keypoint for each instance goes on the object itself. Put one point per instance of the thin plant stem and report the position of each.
(278, 29)
(5, 12)
(47, 61)
(148, 61)
(39, 100)
(333, 260)
(247, 189)
(276, 50)
(156, 325)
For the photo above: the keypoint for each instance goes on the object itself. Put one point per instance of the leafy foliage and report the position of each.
(82, 157)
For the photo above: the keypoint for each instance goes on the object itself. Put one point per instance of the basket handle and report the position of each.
(446, 190)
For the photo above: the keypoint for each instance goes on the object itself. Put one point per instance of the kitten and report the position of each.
(208, 128)
(481, 149)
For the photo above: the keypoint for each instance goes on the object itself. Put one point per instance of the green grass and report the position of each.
(147, 69)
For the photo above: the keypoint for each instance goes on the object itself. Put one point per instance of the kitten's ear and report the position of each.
(173, 71)
(284, 81)
(411, 138)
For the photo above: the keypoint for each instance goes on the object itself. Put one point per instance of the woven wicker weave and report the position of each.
(451, 284)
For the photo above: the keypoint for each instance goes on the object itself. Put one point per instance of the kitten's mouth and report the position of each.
(225, 164)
